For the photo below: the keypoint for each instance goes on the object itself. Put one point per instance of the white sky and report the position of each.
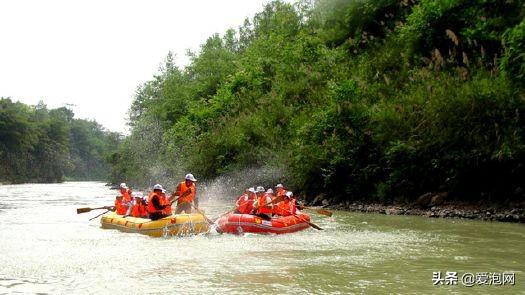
(93, 54)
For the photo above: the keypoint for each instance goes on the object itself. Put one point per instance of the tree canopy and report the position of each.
(380, 100)
(42, 145)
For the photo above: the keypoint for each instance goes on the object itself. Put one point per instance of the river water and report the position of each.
(46, 248)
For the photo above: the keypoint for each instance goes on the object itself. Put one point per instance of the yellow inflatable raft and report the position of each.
(174, 225)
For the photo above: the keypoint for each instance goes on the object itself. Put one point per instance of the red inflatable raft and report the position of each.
(246, 223)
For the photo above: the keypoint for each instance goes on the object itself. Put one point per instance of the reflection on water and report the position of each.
(47, 248)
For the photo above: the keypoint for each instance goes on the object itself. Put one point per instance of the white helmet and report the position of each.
(137, 195)
(270, 191)
(189, 176)
(289, 194)
(259, 189)
(280, 185)
(157, 187)
(123, 185)
(251, 190)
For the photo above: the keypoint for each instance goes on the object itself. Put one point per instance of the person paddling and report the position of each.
(279, 190)
(167, 210)
(125, 192)
(125, 202)
(287, 207)
(262, 205)
(120, 207)
(185, 194)
(157, 203)
(270, 193)
(244, 204)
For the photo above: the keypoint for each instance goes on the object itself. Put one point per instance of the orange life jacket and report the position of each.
(151, 208)
(262, 207)
(120, 207)
(183, 188)
(139, 210)
(126, 196)
(166, 210)
(285, 208)
(245, 204)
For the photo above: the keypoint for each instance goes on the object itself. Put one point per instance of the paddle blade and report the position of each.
(324, 212)
(309, 223)
(99, 215)
(315, 226)
(83, 210)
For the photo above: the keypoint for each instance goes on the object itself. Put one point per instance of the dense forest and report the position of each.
(42, 145)
(378, 100)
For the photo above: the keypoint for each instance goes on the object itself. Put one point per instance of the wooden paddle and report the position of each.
(277, 199)
(227, 212)
(310, 224)
(314, 225)
(84, 210)
(99, 215)
(202, 213)
(173, 194)
(318, 210)
(171, 202)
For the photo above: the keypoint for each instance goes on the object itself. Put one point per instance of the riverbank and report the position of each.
(451, 210)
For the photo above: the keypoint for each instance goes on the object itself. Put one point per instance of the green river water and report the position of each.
(46, 248)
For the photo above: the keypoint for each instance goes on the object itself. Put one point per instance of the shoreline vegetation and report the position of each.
(511, 213)
(41, 145)
(368, 102)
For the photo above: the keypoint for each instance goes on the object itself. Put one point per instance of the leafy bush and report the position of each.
(375, 100)
(513, 61)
